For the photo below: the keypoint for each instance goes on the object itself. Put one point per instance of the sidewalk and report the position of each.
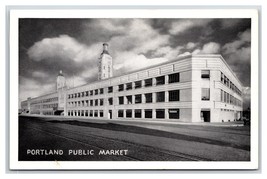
(145, 121)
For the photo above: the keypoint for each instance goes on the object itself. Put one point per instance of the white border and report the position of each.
(131, 13)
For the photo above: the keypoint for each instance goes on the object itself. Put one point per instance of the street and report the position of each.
(50, 139)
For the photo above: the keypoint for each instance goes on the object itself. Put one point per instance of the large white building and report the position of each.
(193, 88)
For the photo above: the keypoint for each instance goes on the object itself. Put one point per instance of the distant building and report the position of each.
(194, 88)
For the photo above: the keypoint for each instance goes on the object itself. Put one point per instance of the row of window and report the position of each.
(129, 113)
(172, 78)
(86, 113)
(228, 98)
(174, 95)
(229, 110)
(45, 100)
(230, 84)
(55, 105)
(35, 106)
(85, 103)
(148, 113)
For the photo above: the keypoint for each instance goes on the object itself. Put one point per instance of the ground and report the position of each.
(129, 140)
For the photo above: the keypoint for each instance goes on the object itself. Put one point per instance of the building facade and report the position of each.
(193, 88)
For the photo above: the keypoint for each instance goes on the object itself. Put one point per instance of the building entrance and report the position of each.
(205, 116)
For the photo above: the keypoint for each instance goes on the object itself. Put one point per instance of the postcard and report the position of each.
(116, 89)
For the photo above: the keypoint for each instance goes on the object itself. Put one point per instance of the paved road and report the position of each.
(49, 139)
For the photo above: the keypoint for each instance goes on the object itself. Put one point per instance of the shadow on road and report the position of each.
(152, 132)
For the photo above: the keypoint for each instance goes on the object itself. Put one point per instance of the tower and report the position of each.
(105, 68)
(61, 81)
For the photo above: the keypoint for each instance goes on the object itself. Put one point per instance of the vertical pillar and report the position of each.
(143, 113)
(115, 114)
(153, 81)
(167, 114)
(154, 97)
(166, 79)
(142, 83)
(166, 96)
(125, 101)
(143, 98)
(153, 113)
(124, 113)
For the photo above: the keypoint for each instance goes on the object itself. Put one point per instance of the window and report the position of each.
(148, 113)
(96, 113)
(87, 93)
(129, 99)
(91, 103)
(101, 114)
(205, 94)
(173, 113)
(160, 96)
(205, 74)
(120, 87)
(96, 91)
(91, 113)
(128, 113)
(101, 102)
(96, 102)
(121, 101)
(160, 113)
(225, 96)
(138, 98)
(110, 89)
(174, 78)
(160, 80)
(138, 84)
(174, 95)
(148, 82)
(110, 101)
(91, 93)
(101, 90)
(137, 113)
(129, 86)
(148, 97)
(78, 95)
(82, 113)
(120, 113)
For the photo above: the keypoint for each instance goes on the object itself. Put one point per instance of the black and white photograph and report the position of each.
(136, 89)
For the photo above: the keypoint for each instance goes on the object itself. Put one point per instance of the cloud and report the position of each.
(246, 97)
(191, 45)
(181, 26)
(208, 48)
(243, 39)
(39, 74)
(184, 54)
(63, 47)
(140, 38)
(32, 88)
(130, 61)
(168, 52)
(229, 23)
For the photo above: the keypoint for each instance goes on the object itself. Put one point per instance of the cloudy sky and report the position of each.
(74, 45)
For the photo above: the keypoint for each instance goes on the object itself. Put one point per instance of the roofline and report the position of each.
(43, 95)
(164, 63)
(221, 57)
(135, 71)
